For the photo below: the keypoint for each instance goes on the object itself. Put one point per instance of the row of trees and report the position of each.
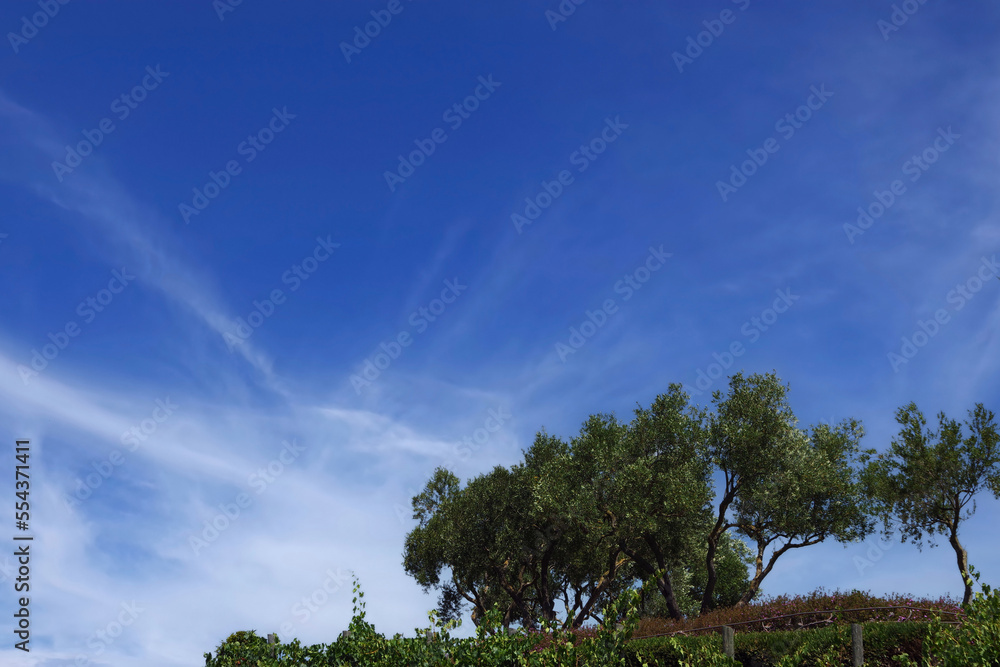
(576, 523)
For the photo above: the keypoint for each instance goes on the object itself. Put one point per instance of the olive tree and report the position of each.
(778, 481)
(577, 561)
(524, 538)
(927, 478)
(438, 543)
(649, 482)
(813, 494)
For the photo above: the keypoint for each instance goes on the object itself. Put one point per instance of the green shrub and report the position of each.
(665, 651)
(888, 641)
(240, 648)
(975, 642)
(602, 647)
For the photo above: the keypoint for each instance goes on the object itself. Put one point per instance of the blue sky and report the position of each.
(198, 223)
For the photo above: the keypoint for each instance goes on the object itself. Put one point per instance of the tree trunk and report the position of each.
(516, 595)
(960, 554)
(963, 565)
(545, 597)
(606, 581)
(757, 578)
(761, 571)
(713, 545)
(667, 589)
(472, 595)
(662, 583)
(706, 598)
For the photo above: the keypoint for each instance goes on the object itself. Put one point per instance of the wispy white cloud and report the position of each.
(138, 236)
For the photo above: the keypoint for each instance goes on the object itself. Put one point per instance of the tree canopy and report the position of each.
(780, 482)
(562, 533)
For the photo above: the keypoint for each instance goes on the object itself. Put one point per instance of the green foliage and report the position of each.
(781, 482)
(829, 647)
(552, 647)
(450, 603)
(731, 561)
(575, 523)
(704, 654)
(975, 642)
(927, 478)
(238, 649)
(885, 640)
(666, 650)
(818, 646)
(244, 637)
(648, 485)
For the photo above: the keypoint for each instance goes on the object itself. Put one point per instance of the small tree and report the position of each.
(745, 437)
(814, 494)
(648, 481)
(780, 482)
(524, 538)
(926, 479)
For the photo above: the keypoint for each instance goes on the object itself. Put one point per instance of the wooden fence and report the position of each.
(857, 645)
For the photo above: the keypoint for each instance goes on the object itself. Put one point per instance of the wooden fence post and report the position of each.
(271, 639)
(728, 641)
(345, 634)
(857, 647)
